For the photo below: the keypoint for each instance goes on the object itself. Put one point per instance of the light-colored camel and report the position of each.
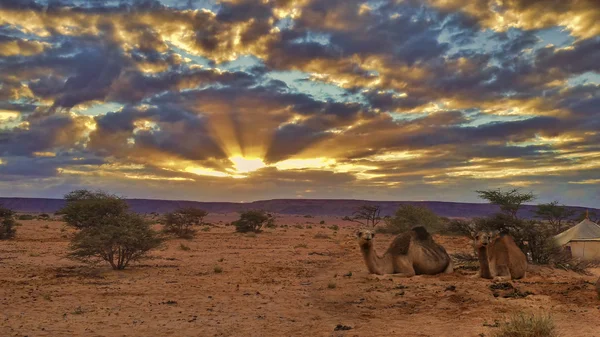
(410, 253)
(499, 256)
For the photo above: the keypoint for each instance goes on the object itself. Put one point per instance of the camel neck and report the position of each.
(483, 262)
(371, 259)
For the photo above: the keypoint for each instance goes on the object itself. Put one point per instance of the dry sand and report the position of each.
(283, 282)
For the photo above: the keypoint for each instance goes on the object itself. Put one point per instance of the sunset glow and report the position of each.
(247, 100)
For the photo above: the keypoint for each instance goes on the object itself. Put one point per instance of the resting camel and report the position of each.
(410, 253)
(499, 257)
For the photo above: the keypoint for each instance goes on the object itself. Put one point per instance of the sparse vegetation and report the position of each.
(25, 217)
(218, 270)
(367, 215)
(334, 227)
(7, 224)
(509, 201)
(301, 245)
(409, 216)
(44, 216)
(252, 221)
(331, 285)
(182, 221)
(184, 247)
(527, 325)
(116, 239)
(556, 216)
(322, 236)
(85, 209)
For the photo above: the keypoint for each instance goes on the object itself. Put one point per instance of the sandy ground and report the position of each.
(283, 282)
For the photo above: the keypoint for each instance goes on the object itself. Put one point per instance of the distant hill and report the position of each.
(337, 207)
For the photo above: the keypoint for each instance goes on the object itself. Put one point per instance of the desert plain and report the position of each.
(302, 278)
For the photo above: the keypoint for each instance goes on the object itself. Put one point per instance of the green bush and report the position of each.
(86, 208)
(7, 224)
(252, 221)
(116, 239)
(409, 216)
(182, 221)
(26, 217)
(524, 325)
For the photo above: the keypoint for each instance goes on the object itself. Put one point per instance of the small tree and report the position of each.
(367, 215)
(409, 216)
(554, 214)
(85, 208)
(509, 201)
(116, 239)
(182, 221)
(7, 224)
(252, 221)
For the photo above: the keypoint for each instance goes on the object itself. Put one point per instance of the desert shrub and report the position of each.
(44, 216)
(86, 208)
(334, 227)
(321, 236)
(25, 217)
(218, 270)
(252, 221)
(181, 222)
(184, 247)
(527, 325)
(409, 216)
(116, 239)
(7, 224)
(458, 227)
(322, 222)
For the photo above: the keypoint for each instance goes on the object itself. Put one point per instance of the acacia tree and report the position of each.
(252, 221)
(554, 214)
(107, 229)
(181, 222)
(509, 201)
(367, 215)
(116, 239)
(86, 208)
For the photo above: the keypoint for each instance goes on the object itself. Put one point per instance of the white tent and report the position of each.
(583, 240)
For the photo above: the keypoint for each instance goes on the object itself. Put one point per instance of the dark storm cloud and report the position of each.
(291, 139)
(582, 57)
(43, 134)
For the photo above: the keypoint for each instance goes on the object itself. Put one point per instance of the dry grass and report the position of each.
(527, 325)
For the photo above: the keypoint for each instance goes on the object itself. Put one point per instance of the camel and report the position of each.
(410, 253)
(499, 257)
(598, 288)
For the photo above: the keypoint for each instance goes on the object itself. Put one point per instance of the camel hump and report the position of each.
(421, 233)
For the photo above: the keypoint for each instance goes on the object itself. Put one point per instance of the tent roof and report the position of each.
(586, 230)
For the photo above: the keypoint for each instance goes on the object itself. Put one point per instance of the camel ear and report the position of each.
(359, 234)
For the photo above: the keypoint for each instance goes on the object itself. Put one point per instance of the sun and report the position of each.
(243, 165)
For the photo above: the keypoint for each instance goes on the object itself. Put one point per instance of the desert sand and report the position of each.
(283, 282)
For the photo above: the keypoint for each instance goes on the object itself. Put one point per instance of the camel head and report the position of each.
(365, 238)
(483, 238)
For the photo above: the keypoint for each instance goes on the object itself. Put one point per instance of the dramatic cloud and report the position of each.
(251, 99)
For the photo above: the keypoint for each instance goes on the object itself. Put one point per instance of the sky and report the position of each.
(247, 100)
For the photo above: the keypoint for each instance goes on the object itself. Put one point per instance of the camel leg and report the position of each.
(403, 266)
(450, 268)
(502, 273)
